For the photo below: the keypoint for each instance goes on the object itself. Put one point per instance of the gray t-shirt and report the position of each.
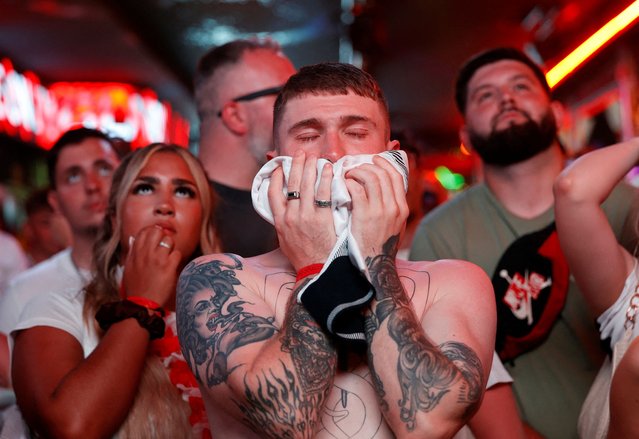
(552, 379)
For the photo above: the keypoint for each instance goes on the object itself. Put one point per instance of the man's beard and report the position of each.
(517, 142)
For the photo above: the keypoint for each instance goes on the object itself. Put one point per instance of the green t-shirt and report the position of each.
(551, 380)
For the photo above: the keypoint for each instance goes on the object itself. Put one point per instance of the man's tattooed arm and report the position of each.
(423, 381)
(279, 385)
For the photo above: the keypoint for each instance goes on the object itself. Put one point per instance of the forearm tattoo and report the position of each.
(281, 402)
(276, 408)
(312, 353)
(426, 373)
(286, 406)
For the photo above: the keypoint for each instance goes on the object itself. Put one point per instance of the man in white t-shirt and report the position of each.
(80, 164)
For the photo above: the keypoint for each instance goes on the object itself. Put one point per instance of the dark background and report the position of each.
(413, 47)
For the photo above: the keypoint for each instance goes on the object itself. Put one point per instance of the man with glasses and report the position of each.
(235, 88)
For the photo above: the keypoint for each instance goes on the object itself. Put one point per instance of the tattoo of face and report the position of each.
(211, 321)
(425, 373)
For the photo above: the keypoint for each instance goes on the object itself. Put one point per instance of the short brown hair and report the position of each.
(71, 137)
(491, 56)
(333, 79)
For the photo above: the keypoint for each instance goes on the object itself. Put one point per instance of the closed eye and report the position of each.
(357, 134)
(305, 138)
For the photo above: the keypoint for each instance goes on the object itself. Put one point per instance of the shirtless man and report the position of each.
(266, 368)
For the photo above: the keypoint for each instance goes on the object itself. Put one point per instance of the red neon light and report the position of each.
(592, 44)
(38, 114)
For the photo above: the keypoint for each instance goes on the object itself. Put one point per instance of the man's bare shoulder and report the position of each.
(440, 266)
(254, 273)
(257, 265)
(447, 275)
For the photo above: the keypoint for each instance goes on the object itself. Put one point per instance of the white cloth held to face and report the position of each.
(340, 199)
(346, 244)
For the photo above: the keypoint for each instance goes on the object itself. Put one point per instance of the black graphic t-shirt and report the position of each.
(531, 284)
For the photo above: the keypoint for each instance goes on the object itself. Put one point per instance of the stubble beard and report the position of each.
(259, 146)
(516, 143)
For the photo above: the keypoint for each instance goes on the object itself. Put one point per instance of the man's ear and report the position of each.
(465, 137)
(392, 145)
(234, 118)
(52, 198)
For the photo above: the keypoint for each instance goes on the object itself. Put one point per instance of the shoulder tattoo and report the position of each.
(212, 321)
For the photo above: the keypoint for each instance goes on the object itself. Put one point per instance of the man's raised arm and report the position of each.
(429, 370)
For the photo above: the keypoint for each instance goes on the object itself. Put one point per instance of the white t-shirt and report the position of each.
(62, 310)
(498, 375)
(12, 259)
(50, 294)
(612, 321)
(54, 275)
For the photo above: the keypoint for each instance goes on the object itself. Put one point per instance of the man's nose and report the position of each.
(506, 97)
(333, 149)
(93, 182)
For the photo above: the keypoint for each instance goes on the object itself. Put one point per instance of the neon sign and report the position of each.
(35, 113)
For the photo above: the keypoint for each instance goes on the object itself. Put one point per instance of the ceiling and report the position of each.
(413, 47)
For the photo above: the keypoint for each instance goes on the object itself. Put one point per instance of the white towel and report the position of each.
(340, 198)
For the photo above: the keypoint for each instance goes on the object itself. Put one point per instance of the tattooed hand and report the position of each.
(305, 231)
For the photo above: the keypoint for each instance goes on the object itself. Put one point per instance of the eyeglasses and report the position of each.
(255, 95)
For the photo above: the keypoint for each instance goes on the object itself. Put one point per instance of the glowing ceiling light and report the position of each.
(592, 44)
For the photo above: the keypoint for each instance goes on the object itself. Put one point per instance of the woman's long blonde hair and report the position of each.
(158, 408)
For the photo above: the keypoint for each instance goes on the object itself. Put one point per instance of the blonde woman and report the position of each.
(105, 360)
(605, 272)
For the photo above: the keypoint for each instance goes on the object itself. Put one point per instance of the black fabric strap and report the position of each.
(335, 299)
(114, 312)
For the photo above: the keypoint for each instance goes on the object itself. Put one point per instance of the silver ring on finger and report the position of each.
(293, 195)
(165, 245)
(323, 203)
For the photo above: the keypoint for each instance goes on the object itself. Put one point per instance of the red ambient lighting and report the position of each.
(38, 114)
